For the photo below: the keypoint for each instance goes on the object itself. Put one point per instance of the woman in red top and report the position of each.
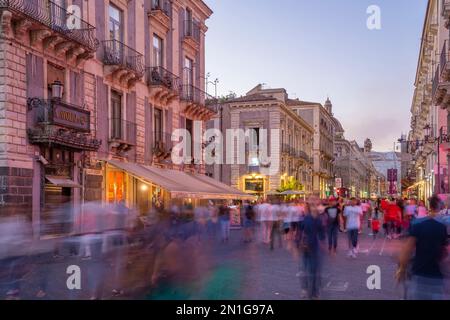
(384, 204)
(392, 218)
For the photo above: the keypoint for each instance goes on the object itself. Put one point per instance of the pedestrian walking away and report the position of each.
(353, 215)
(333, 215)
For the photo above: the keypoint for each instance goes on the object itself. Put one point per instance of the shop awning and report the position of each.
(181, 184)
(226, 188)
(62, 182)
(199, 186)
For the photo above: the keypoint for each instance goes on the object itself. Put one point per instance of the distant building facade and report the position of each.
(268, 109)
(384, 161)
(320, 117)
(86, 114)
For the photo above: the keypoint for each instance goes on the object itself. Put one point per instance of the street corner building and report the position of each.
(88, 103)
(266, 109)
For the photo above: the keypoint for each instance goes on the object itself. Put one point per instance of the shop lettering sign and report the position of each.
(93, 172)
(71, 117)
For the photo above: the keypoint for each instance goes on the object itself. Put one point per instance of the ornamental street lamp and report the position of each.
(57, 90)
(420, 144)
(214, 83)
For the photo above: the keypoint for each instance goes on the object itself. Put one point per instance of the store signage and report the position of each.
(71, 117)
(256, 185)
(392, 187)
(93, 172)
(338, 182)
(392, 174)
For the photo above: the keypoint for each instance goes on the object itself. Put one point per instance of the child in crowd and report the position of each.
(375, 223)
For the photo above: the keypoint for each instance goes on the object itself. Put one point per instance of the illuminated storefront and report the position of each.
(147, 187)
(255, 184)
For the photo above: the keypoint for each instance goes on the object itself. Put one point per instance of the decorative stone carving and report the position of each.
(22, 27)
(74, 52)
(62, 47)
(49, 42)
(39, 35)
(5, 24)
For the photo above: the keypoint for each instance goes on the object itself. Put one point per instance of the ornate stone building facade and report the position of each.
(320, 117)
(263, 108)
(427, 140)
(89, 99)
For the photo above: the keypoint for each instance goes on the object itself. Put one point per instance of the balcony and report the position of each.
(438, 88)
(199, 104)
(164, 85)
(303, 155)
(285, 148)
(446, 12)
(162, 146)
(443, 62)
(191, 34)
(160, 13)
(60, 123)
(122, 62)
(289, 150)
(123, 135)
(51, 26)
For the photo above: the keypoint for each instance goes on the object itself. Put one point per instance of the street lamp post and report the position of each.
(214, 83)
(429, 139)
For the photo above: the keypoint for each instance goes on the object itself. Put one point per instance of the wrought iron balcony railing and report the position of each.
(193, 94)
(60, 123)
(436, 80)
(123, 131)
(158, 76)
(117, 53)
(192, 30)
(443, 135)
(285, 148)
(302, 154)
(161, 5)
(55, 18)
(162, 143)
(443, 59)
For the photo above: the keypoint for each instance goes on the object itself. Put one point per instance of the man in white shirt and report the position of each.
(276, 217)
(266, 221)
(353, 213)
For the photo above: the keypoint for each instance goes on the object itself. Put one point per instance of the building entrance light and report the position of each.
(57, 89)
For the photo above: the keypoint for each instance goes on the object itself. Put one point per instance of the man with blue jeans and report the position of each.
(353, 214)
(332, 212)
(313, 236)
(428, 239)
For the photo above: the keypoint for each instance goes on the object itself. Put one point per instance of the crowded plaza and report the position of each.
(231, 150)
(146, 257)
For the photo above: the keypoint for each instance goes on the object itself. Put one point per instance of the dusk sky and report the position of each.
(319, 48)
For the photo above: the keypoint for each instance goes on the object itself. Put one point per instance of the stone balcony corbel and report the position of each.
(74, 52)
(21, 28)
(62, 47)
(446, 13)
(50, 42)
(5, 24)
(39, 35)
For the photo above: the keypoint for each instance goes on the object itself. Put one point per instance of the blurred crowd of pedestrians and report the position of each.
(174, 245)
